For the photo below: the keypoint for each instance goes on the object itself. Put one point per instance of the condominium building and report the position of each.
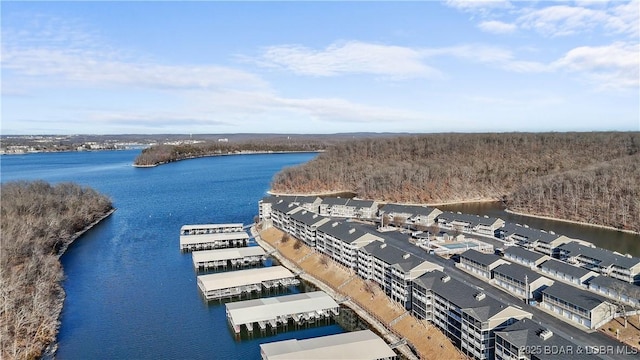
(576, 306)
(605, 262)
(465, 314)
(480, 264)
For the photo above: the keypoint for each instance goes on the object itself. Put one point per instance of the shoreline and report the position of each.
(142, 166)
(572, 222)
(50, 350)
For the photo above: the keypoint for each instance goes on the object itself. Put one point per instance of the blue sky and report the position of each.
(319, 67)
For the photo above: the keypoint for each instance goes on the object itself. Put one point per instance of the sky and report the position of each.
(210, 67)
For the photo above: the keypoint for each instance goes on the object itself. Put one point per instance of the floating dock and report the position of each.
(234, 257)
(210, 229)
(236, 283)
(274, 311)
(213, 240)
(362, 344)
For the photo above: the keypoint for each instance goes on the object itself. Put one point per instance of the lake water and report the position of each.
(131, 294)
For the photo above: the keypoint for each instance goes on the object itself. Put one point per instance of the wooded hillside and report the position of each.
(160, 154)
(598, 170)
(38, 221)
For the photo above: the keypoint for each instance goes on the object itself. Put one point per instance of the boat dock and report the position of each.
(234, 257)
(210, 229)
(215, 240)
(362, 344)
(236, 283)
(274, 311)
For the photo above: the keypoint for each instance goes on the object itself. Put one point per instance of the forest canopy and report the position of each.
(38, 221)
(591, 177)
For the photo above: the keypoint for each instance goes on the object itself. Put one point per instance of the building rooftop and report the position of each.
(523, 253)
(412, 210)
(334, 201)
(208, 227)
(354, 345)
(605, 257)
(309, 218)
(343, 231)
(573, 295)
(467, 218)
(518, 272)
(465, 297)
(563, 267)
(528, 334)
(360, 203)
(616, 285)
(480, 257)
(530, 234)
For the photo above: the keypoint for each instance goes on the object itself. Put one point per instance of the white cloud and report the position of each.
(352, 57)
(479, 6)
(611, 66)
(562, 20)
(497, 27)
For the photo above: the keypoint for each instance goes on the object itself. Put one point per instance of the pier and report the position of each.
(362, 344)
(274, 311)
(215, 240)
(236, 283)
(234, 257)
(210, 229)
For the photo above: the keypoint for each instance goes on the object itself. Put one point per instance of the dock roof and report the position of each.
(231, 279)
(226, 254)
(206, 238)
(208, 226)
(250, 311)
(354, 345)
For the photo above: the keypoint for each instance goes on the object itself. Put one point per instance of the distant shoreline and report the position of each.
(225, 154)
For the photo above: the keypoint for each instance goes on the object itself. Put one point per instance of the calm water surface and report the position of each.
(131, 294)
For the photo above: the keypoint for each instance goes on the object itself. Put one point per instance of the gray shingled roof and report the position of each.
(563, 267)
(529, 233)
(407, 209)
(606, 257)
(334, 201)
(283, 206)
(341, 230)
(582, 298)
(360, 203)
(460, 294)
(479, 257)
(308, 218)
(393, 256)
(517, 272)
(616, 285)
(523, 253)
(468, 218)
(525, 333)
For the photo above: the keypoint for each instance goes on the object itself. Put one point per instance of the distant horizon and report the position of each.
(212, 67)
(329, 134)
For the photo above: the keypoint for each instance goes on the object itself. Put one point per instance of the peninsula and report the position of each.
(39, 221)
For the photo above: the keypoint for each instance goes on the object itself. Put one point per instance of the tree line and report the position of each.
(598, 171)
(161, 154)
(38, 221)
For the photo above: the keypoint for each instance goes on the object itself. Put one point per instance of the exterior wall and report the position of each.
(590, 319)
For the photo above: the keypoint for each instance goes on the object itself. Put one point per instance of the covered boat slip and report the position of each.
(209, 229)
(235, 283)
(301, 308)
(213, 241)
(244, 256)
(362, 344)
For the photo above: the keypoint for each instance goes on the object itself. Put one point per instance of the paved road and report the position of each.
(578, 336)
